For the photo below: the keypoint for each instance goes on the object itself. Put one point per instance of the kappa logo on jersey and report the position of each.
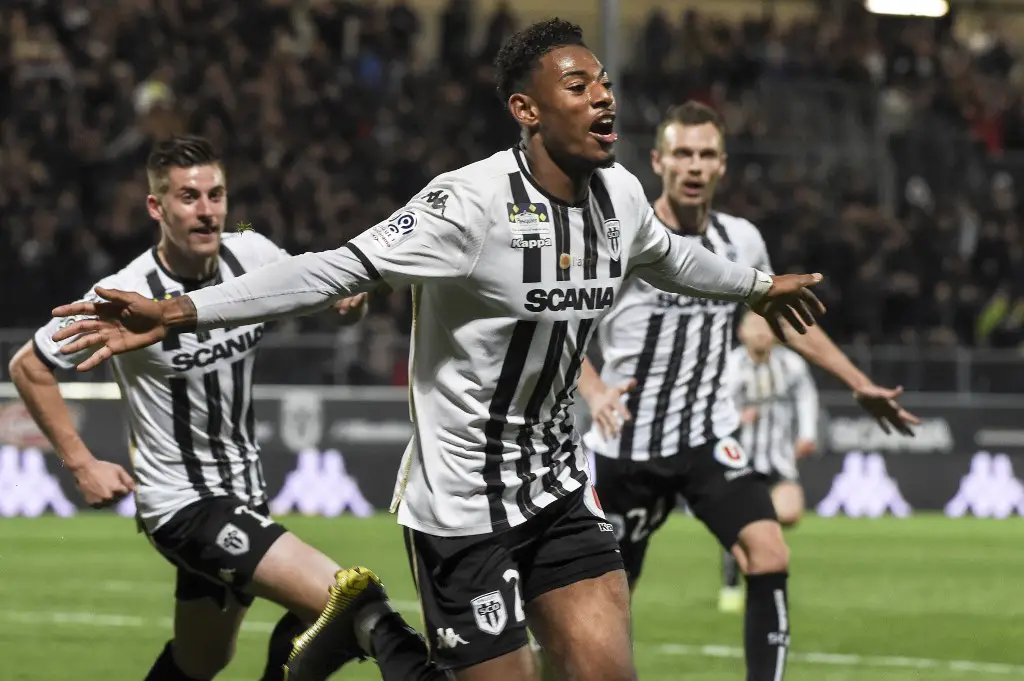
(989, 490)
(27, 489)
(557, 299)
(395, 230)
(728, 452)
(226, 349)
(489, 611)
(519, 242)
(613, 233)
(448, 639)
(528, 219)
(233, 540)
(863, 488)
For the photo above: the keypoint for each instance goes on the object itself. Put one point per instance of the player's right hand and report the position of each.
(103, 483)
(608, 411)
(122, 322)
(790, 298)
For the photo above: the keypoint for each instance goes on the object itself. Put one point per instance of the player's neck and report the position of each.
(759, 356)
(182, 266)
(682, 219)
(558, 180)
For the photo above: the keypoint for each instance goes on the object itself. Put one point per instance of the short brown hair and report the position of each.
(181, 151)
(690, 112)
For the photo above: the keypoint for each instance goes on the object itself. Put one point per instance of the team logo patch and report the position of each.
(613, 234)
(395, 230)
(728, 452)
(529, 218)
(490, 613)
(593, 503)
(233, 540)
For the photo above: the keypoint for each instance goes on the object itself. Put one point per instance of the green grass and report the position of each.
(927, 587)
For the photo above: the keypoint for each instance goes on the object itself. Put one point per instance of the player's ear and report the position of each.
(155, 209)
(656, 164)
(524, 109)
(722, 165)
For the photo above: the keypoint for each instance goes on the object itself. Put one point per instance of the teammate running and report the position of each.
(668, 351)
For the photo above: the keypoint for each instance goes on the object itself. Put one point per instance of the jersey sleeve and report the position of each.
(436, 236)
(679, 265)
(48, 350)
(762, 261)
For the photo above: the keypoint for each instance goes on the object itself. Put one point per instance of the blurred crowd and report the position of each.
(883, 153)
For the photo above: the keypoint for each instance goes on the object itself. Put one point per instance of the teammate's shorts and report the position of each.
(216, 545)
(716, 480)
(473, 589)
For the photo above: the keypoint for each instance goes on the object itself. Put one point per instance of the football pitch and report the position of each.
(891, 600)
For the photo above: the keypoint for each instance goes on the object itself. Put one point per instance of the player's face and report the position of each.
(193, 209)
(575, 107)
(690, 161)
(755, 333)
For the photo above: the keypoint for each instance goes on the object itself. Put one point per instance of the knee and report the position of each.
(766, 555)
(204, 661)
(790, 517)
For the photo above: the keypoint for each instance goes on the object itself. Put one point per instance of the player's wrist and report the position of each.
(762, 285)
(179, 313)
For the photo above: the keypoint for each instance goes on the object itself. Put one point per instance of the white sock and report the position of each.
(366, 620)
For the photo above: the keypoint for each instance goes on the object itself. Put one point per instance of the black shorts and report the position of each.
(216, 545)
(473, 589)
(716, 480)
(777, 478)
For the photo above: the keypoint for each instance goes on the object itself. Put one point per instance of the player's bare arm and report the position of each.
(101, 482)
(816, 347)
(605, 401)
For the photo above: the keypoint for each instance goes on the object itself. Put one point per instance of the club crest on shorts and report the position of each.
(490, 613)
(728, 452)
(593, 502)
(233, 540)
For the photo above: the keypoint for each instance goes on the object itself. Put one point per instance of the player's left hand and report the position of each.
(790, 298)
(805, 448)
(608, 411)
(353, 308)
(881, 403)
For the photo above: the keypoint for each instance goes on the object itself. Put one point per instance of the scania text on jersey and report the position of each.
(668, 300)
(557, 299)
(209, 354)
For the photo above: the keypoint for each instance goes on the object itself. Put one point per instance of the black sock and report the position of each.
(164, 669)
(766, 636)
(280, 647)
(400, 652)
(730, 570)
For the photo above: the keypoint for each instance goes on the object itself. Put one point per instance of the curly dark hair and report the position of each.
(519, 55)
(183, 151)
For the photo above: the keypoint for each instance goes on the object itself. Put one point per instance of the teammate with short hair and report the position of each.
(778, 402)
(513, 261)
(200, 491)
(662, 384)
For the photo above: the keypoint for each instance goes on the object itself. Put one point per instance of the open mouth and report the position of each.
(693, 187)
(603, 128)
(205, 230)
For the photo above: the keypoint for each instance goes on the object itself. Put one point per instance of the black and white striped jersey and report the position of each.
(189, 398)
(508, 286)
(783, 400)
(675, 346)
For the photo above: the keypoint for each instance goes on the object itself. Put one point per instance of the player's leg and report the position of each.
(577, 594)
(788, 499)
(736, 506)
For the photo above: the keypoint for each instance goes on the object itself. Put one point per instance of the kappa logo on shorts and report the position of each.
(490, 613)
(728, 452)
(233, 540)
